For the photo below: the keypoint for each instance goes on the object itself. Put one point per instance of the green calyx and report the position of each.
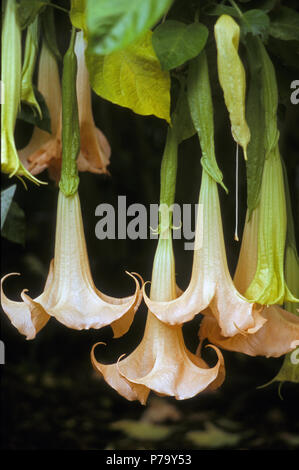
(268, 285)
(69, 180)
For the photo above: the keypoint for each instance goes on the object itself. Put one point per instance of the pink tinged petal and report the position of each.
(161, 363)
(70, 294)
(29, 316)
(278, 336)
(43, 148)
(95, 148)
(211, 283)
(78, 303)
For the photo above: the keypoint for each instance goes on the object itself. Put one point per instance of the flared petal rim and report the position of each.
(180, 373)
(278, 336)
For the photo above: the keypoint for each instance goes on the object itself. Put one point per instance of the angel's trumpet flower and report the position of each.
(268, 285)
(43, 152)
(44, 149)
(278, 336)
(161, 362)
(70, 294)
(280, 333)
(211, 284)
(11, 80)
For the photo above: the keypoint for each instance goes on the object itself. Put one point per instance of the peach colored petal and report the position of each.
(70, 294)
(163, 364)
(29, 317)
(278, 336)
(211, 284)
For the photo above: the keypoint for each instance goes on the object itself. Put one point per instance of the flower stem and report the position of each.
(69, 180)
(168, 179)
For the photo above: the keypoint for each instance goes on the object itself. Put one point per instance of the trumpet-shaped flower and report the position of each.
(211, 284)
(70, 294)
(11, 80)
(280, 333)
(278, 336)
(268, 285)
(44, 151)
(161, 362)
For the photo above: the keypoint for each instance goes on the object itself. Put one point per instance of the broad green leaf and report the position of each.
(285, 24)
(114, 24)
(6, 200)
(27, 10)
(28, 114)
(133, 78)
(256, 121)
(142, 430)
(77, 14)
(201, 110)
(175, 43)
(14, 225)
(256, 22)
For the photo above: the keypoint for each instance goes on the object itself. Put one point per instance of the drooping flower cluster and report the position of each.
(245, 313)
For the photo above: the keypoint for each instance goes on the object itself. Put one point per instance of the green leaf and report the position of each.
(28, 114)
(27, 10)
(285, 24)
(142, 430)
(175, 43)
(114, 24)
(14, 225)
(256, 22)
(78, 14)
(6, 200)
(133, 78)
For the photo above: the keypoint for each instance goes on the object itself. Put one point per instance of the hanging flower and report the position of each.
(211, 284)
(11, 79)
(44, 150)
(280, 333)
(70, 294)
(161, 362)
(268, 285)
(278, 336)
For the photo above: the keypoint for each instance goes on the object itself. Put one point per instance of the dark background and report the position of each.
(50, 396)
